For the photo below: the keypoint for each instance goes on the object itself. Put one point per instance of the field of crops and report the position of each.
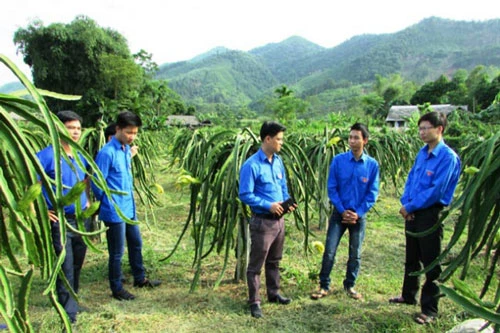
(195, 228)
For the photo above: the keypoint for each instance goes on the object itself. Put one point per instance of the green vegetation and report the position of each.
(417, 55)
(187, 180)
(95, 63)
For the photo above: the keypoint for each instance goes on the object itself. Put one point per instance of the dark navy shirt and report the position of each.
(115, 163)
(432, 179)
(353, 184)
(262, 182)
(69, 175)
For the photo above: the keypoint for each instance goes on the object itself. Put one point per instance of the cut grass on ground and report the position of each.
(172, 308)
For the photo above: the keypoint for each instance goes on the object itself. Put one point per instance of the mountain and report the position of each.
(281, 58)
(421, 53)
(230, 77)
(11, 87)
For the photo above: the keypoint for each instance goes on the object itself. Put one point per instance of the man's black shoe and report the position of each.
(256, 311)
(123, 295)
(147, 283)
(280, 299)
(82, 308)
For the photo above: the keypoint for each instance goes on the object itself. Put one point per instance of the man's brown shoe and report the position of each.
(353, 293)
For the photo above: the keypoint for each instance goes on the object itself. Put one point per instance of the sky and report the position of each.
(175, 30)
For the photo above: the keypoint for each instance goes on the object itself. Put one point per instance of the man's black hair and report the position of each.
(68, 115)
(271, 128)
(435, 118)
(128, 118)
(362, 128)
(110, 130)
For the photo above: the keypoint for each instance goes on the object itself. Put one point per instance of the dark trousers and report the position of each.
(116, 236)
(267, 238)
(423, 251)
(71, 267)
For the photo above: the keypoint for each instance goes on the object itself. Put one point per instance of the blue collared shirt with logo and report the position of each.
(353, 184)
(262, 182)
(432, 179)
(70, 174)
(115, 163)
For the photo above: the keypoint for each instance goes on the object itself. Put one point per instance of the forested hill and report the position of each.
(420, 53)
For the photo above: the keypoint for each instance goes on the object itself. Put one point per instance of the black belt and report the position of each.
(268, 216)
(70, 216)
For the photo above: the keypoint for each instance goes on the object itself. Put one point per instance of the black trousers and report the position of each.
(71, 267)
(423, 251)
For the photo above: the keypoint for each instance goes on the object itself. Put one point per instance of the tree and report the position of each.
(389, 91)
(458, 92)
(79, 58)
(477, 83)
(283, 91)
(287, 108)
(374, 105)
(432, 92)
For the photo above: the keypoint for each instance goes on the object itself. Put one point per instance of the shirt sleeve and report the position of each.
(408, 185)
(104, 162)
(372, 192)
(247, 188)
(333, 187)
(284, 186)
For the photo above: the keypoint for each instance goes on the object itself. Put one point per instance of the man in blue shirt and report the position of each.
(429, 187)
(353, 184)
(263, 188)
(71, 173)
(114, 162)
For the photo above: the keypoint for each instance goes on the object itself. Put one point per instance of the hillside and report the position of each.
(231, 77)
(420, 53)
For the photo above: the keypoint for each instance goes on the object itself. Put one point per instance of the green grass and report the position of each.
(172, 308)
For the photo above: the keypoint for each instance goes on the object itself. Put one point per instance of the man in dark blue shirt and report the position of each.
(263, 188)
(429, 187)
(353, 184)
(114, 162)
(71, 173)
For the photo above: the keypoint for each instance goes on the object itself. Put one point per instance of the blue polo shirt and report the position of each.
(262, 182)
(115, 163)
(353, 184)
(70, 176)
(432, 179)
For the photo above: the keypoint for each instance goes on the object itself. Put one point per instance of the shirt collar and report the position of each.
(262, 155)
(436, 149)
(117, 144)
(361, 158)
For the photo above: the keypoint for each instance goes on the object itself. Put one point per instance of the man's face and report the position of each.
(429, 133)
(74, 128)
(356, 141)
(275, 143)
(127, 134)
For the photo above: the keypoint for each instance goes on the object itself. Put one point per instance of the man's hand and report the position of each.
(53, 216)
(349, 217)
(134, 150)
(276, 208)
(407, 216)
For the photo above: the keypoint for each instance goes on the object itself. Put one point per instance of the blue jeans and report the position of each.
(335, 231)
(71, 266)
(116, 235)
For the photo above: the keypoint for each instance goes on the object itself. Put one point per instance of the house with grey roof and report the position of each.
(398, 114)
(186, 121)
